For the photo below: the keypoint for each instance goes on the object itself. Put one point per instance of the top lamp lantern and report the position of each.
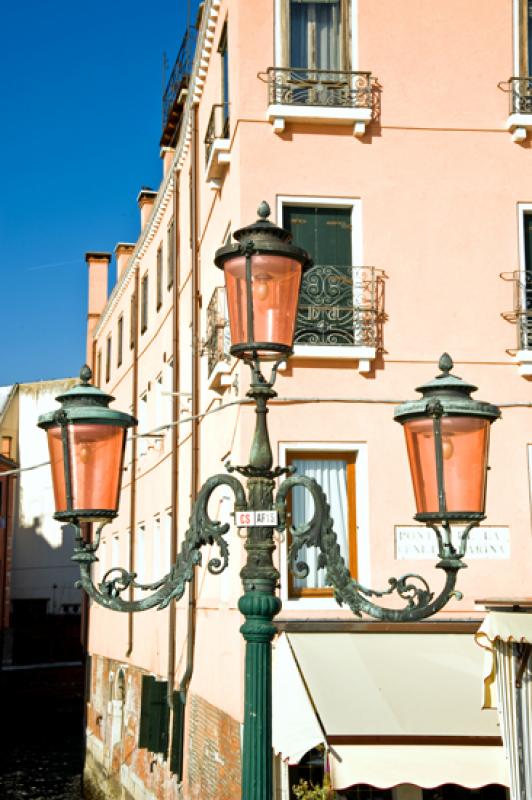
(447, 438)
(86, 440)
(262, 279)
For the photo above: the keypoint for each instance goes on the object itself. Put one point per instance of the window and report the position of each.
(154, 715)
(119, 340)
(144, 303)
(159, 277)
(325, 313)
(156, 572)
(224, 55)
(170, 255)
(335, 472)
(524, 54)
(525, 317)
(140, 556)
(315, 34)
(132, 321)
(7, 442)
(99, 368)
(142, 447)
(167, 541)
(108, 360)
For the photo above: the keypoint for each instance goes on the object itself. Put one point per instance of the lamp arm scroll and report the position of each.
(202, 531)
(318, 532)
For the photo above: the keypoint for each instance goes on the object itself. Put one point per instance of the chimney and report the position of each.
(145, 200)
(98, 264)
(167, 155)
(123, 251)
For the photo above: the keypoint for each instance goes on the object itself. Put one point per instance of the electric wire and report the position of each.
(277, 401)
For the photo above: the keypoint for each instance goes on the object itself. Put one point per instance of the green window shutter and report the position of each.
(154, 716)
(147, 682)
(178, 736)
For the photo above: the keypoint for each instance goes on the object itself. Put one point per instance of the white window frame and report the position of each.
(360, 450)
(364, 355)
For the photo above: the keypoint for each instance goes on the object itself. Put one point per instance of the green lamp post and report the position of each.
(447, 435)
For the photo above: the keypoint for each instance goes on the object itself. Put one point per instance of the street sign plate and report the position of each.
(254, 519)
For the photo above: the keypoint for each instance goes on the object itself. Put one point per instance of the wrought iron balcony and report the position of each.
(520, 91)
(341, 306)
(217, 127)
(521, 315)
(218, 340)
(172, 103)
(317, 87)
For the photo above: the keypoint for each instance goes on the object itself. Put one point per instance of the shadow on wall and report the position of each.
(45, 605)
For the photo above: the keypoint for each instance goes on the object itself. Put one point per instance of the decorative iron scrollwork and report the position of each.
(318, 533)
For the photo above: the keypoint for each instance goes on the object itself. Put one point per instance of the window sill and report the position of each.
(364, 355)
(519, 126)
(220, 378)
(281, 114)
(523, 359)
(219, 159)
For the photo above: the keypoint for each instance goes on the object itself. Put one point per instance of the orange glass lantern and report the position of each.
(262, 280)
(86, 441)
(447, 440)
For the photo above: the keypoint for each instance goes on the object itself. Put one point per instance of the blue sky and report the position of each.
(80, 122)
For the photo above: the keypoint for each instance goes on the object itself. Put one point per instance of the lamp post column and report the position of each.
(259, 605)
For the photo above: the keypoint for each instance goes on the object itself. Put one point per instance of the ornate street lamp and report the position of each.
(447, 441)
(86, 441)
(262, 280)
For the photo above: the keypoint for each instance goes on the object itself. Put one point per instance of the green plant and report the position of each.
(309, 791)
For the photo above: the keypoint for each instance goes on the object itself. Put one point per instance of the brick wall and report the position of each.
(213, 753)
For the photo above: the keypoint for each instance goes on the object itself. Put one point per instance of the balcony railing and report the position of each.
(521, 315)
(217, 127)
(341, 306)
(520, 94)
(218, 339)
(178, 80)
(318, 87)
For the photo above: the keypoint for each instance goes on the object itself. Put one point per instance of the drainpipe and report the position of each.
(194, 471)
(176, 408)
(133, 490)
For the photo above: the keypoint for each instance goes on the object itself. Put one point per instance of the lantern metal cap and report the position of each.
(86, 403)
(262, 236)
(447, 395)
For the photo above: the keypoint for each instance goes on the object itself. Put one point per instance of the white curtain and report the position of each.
(315, 34)
(332, 477)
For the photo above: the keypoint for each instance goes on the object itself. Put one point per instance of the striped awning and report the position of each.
(506, 638)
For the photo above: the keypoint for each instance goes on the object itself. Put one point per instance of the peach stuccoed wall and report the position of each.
(439, 180)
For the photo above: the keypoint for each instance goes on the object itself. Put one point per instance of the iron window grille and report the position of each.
(218, 341)
(301, 86)
(341, 306)
(217, 127)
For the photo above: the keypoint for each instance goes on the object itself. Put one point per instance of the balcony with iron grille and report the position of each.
(341, 314)
(176, 89)
(335, 97)
(519, 121)
(217, 144)
(218, 342)
(521, 317)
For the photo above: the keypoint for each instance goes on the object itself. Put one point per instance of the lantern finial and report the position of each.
(85, 374)
(264, 210)
(445, 363)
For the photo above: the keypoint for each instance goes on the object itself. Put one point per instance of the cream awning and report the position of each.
(392, 708)
(506, 638)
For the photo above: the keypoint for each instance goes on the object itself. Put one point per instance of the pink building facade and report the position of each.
(393, 140)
